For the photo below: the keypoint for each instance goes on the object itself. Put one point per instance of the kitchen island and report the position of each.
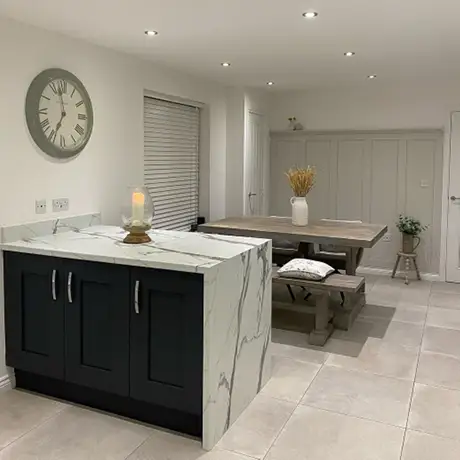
(174, 332)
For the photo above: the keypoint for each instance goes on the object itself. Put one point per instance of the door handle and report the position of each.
(136, 297)
(250, 195)
(69, 288)
(455, 198)
(53, 285)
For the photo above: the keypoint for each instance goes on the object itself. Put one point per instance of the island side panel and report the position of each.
(237, 335)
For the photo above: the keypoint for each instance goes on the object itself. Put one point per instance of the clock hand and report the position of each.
(63, 114)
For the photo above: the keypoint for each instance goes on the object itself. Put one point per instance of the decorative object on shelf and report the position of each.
(59, 113)
(294, 125)
(301, 181)
(137, 215)
(410, 227)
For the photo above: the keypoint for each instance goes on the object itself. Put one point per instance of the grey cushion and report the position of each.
(305, 269)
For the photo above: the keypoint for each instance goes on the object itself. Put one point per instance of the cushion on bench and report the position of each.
(305, 269)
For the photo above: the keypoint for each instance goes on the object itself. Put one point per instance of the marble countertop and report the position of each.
(169, 250)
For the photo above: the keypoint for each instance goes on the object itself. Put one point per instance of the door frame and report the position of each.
(265, 163)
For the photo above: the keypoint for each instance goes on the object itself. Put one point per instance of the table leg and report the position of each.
(323, 329)
(353, 303)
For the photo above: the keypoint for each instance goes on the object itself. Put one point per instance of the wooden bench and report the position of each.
(354, 285)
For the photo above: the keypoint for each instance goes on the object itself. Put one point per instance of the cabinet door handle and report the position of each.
(53, 285)
(69, 287)
(136, 297)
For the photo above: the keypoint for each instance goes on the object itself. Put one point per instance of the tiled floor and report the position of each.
(389, 389)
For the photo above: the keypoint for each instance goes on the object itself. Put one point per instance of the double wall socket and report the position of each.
(387, 237)
(60, 204)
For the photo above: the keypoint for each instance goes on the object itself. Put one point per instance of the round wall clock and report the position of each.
(59, 113)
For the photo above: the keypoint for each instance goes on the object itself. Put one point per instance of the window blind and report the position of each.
(171, 162)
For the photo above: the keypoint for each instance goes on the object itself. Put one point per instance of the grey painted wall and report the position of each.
(371, 176)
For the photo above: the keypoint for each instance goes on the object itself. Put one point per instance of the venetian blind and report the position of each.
(171, 162)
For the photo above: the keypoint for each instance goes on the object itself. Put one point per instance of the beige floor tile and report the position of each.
(295, 345)
(453, 288)
(314, 434)
(290, 378)
(396, 332)
(435, 411)
(440, 370)
(445, 300)
(361, 394)
(256, 429)
(163, 445)
(380, 358)
(422, 446)
(77, 434)
(20, 412)
(403, 312)
(442, 340)
(415, 294)
(383, 296)
(443, 317)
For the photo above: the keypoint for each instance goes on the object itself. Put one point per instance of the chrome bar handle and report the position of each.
(136, 297)
(69, 288)
(53, 285)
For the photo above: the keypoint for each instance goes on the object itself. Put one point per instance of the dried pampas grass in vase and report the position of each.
(301, 181)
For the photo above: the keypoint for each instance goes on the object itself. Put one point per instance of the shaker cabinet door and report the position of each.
(97, 325)
(34, 314)
(167, 339)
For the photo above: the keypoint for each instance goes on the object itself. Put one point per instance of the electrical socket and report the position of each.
(387, 237)
(60, 204)
(40, 206)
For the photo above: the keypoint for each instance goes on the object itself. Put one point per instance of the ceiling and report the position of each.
(268, 39)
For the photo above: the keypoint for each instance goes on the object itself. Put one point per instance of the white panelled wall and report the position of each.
(369, 176)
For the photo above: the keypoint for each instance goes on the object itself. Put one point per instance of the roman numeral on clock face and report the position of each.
(43, 111)
(53, 87)
(80, 130)
(44, 123)
(62, 141)
(78, 104)
(63, 87)
(82, 116)
(52, 136)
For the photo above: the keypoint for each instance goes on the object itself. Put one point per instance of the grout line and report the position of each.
(413, 384)
(290, 417)
(66, 407)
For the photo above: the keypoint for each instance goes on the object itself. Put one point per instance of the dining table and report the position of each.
(351, 236)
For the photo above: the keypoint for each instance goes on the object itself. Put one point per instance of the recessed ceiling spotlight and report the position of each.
(151, 33)
(225, 64)
(349, 53)
(270, 83)
(371, 77)
(310, 14)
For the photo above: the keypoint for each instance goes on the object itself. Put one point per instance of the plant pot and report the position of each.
(408, 243)
(299, 211)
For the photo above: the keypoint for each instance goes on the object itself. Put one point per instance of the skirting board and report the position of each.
(5, 383)
(386, 272)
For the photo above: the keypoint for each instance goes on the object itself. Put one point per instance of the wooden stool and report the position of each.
(407, 259)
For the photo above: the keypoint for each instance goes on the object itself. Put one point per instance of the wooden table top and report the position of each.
(325, 232)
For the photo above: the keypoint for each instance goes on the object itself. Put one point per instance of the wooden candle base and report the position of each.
(137, 235)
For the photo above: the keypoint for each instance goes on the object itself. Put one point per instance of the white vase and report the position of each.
(299, 211)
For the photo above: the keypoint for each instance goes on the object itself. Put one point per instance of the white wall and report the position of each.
(114, 156)
(370, 106)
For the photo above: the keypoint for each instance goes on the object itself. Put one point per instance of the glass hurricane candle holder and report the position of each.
(137, 215)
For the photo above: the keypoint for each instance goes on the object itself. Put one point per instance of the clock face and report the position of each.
(59, 113)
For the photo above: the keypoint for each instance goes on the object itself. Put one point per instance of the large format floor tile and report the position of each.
(435, 411)
(381, 358)
(442, 340)
(422, 446)
(444, 300)
(256, 429)
(77, 434)
(396, 332)
(20, 412)
(453, 288)
(290, 378)
(313, 434)
(443, 317)
(439, 370)
(415, 314)
(361, 394)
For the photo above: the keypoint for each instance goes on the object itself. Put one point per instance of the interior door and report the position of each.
(453, 226)
(255, 164)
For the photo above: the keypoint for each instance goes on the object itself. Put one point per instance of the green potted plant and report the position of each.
(410, 227)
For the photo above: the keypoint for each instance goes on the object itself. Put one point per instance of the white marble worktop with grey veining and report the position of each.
(169, 250)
